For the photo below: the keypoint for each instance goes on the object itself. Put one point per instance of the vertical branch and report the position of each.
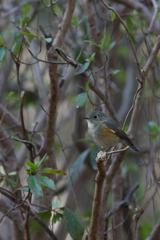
(53, 101)
(93, 234)
(117, 197)
(116, 162)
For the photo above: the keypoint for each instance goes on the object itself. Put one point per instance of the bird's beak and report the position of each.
(86, 118)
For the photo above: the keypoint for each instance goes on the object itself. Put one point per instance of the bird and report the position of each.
(106, 132)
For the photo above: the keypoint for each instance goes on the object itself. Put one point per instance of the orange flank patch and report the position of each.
(107, 132)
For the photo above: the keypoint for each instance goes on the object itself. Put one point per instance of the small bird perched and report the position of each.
(105, 132)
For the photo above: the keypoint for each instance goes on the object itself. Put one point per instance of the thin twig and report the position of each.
(130, 40)
(134, 100)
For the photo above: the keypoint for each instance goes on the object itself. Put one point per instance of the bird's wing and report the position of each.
(115, 128)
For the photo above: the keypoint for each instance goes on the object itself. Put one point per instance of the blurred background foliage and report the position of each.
(76, 99)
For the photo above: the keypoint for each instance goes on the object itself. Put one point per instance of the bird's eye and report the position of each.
(95, 116)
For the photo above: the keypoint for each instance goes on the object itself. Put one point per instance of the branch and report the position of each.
(128, 34)
(124, 202)
(116, 162)
(15, 9)
(147, 14)
(65, 24)
(25, 207)
(101, 156)
(154, 235)
(145, 72)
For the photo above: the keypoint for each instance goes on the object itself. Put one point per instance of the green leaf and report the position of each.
(153, 127)
(114, 72)
(93, 43)
(86, 54)
(34, 185)
(80, 99)
(11, 95)
(29, 170)
(46, 181)
(82, 68)
(1, 41)
(133, 39)
(87, 85)
(74, 21)
(57, 217)
(51, 171)
(15, 48)
(26, 9)
(55, 202)
(48, 40)
(112, 45)
(113, 16)
(28, 34)
(91, 58)
(102, 42)
(80, 86)
(12, 173)
(17, 37)
(78, 163)
(34, 225)
(73, 224)
(14, 184)
(44, 159)
(25, 189)
(26, 20)
(30, 164)
(81, 20)
(2, 53)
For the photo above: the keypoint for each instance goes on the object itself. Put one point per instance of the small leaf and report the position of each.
(11, 95)
(1, 41)
(93, 43)
(55, 202)
(78, 163)
(2, 53)
(30, 164)
(26, 20)
(17, 37)
(28, 34)
(44, 159)
(15, 48)
(48, 40)
(113, 16)
(25, 189)
(51, 171)
(34, 225)
(34, 185)
(57, 217)
(82, 68)
(91, 58)
(102, 42)
(46, 181)
(112, 45)
(80, 99)
(74, 21)
(14, 184)
(80, 86)
(114, 72)
(87, 85)
(81, 20)
(29, 170)
(86, 54)
(12, 173)
(73, 224)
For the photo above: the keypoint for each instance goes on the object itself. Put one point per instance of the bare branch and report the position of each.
(93, 234)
